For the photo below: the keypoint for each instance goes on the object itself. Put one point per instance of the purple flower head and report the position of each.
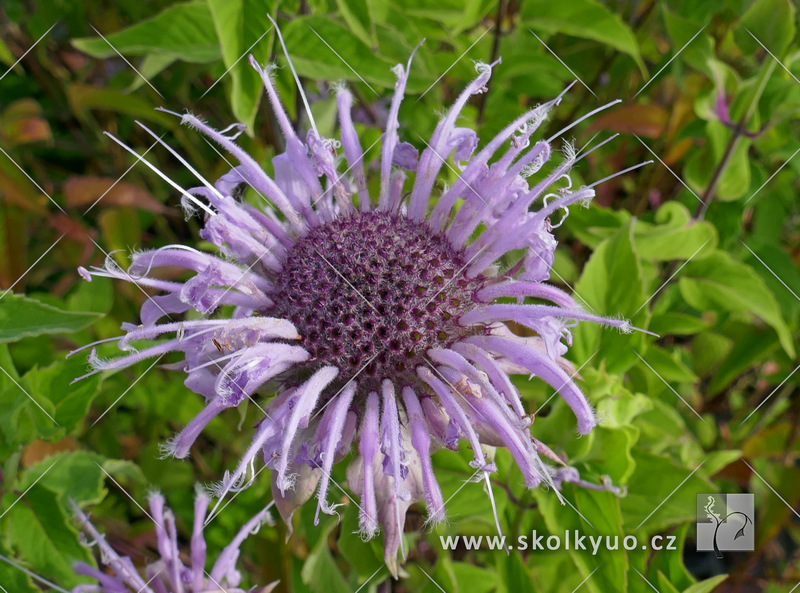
(169, 574)
(371, 310)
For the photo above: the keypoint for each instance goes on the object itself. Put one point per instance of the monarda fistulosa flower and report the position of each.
(371, 311)
(169, 574)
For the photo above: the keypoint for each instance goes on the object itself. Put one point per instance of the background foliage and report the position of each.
(700, 247)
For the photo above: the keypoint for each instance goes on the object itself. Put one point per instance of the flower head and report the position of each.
(169, 573)
(374, 317)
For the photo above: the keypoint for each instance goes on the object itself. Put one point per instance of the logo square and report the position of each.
(725, 523)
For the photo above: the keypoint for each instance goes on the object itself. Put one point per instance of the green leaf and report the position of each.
(611, 285)
(610, 453)
(707, 585)
(96, 296)
(676, 324)
(184, 31)
(671, 564)
(698, 50)
(769, 21)
(5, 54)
(734, 182)
(352, 547)
(587, 19)
(12, 578)
(669, 365)
(74, 475)
(709, 350)
(152, 65)
(40, 530)
(602, 509)
(750, 346)
(674, 235)
(659, 474)
(70, 403)
(473, 578)
(664, 585)
(83, 97)
(13, 402)
(515, 575)
(242, 28)
(358, 16)
(722, 283)
(21, 317)
(314, 59)
(320, 571)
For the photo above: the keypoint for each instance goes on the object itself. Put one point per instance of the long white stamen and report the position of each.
(296, 77)
(618, 173)
(93, 344)
(183, 161)
(580, 119)
(494, 511)
(579, 157)
(160, 174)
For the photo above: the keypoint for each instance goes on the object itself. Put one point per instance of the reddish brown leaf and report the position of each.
(38, 450)
(22, 123)
(84, 191)
(644, 120)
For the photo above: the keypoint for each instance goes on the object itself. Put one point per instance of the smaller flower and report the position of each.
(169, 574)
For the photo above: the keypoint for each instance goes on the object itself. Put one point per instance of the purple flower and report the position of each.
(169, 573)
(371, 312)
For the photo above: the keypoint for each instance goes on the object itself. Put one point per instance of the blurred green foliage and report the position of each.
(700, 248)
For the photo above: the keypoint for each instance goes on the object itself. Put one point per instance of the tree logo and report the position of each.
(725, 523)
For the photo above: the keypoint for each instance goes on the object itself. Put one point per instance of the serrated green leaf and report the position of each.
(14, 579)
(40, 530)
(720, 282)
(22, 317)
(74, 475)
(184, 31)
(658, 475)
(610, 453)
(674, 235)
(70, 403)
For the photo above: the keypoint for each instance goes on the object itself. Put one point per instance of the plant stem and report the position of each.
(498, 32)
(738, 132)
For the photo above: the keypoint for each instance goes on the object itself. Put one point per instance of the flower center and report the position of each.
(372, 293)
